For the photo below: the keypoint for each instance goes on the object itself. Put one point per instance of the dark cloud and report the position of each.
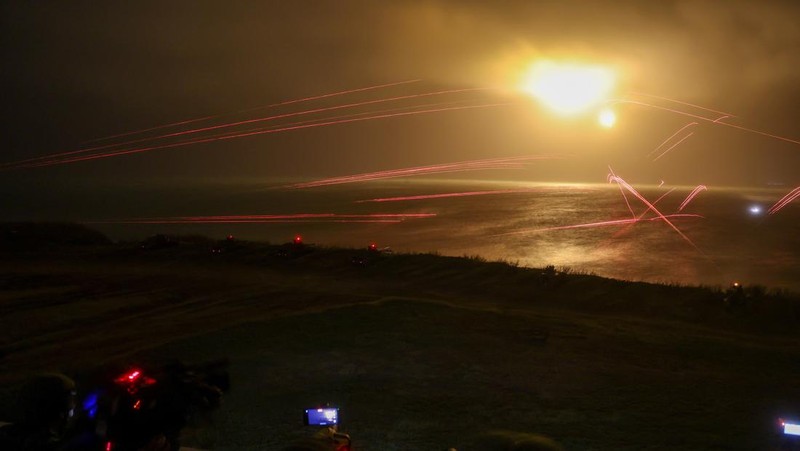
(182, 49)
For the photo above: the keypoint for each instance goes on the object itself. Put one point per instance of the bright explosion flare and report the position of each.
(568, 89)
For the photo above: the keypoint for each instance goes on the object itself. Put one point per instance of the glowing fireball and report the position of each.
(568, 89)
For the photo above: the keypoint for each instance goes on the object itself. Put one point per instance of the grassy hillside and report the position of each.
(441, 347)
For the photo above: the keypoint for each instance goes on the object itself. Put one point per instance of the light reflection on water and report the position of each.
(733, 243)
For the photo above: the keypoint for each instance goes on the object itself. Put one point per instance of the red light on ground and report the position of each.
(130, 377)
(373, 247)
(108, 446)
(229, 237)
(134, 380)
(298, 239)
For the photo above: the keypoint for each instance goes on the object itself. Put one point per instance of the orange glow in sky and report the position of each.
(568, 88)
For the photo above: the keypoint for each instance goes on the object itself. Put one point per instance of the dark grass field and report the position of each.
(421, 352)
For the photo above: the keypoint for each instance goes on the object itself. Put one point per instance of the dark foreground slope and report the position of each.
(421, 351)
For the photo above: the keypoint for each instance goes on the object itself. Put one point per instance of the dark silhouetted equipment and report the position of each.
(129, 410)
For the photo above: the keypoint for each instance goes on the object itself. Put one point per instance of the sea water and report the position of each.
(727, 235)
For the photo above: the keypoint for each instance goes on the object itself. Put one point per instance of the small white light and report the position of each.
(607, 118)
(791, 429)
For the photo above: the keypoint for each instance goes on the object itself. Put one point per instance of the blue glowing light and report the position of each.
(90, 404)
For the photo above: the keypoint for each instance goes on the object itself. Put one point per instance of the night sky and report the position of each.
(78, 70)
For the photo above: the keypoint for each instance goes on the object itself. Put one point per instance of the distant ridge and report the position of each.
(21, 236)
